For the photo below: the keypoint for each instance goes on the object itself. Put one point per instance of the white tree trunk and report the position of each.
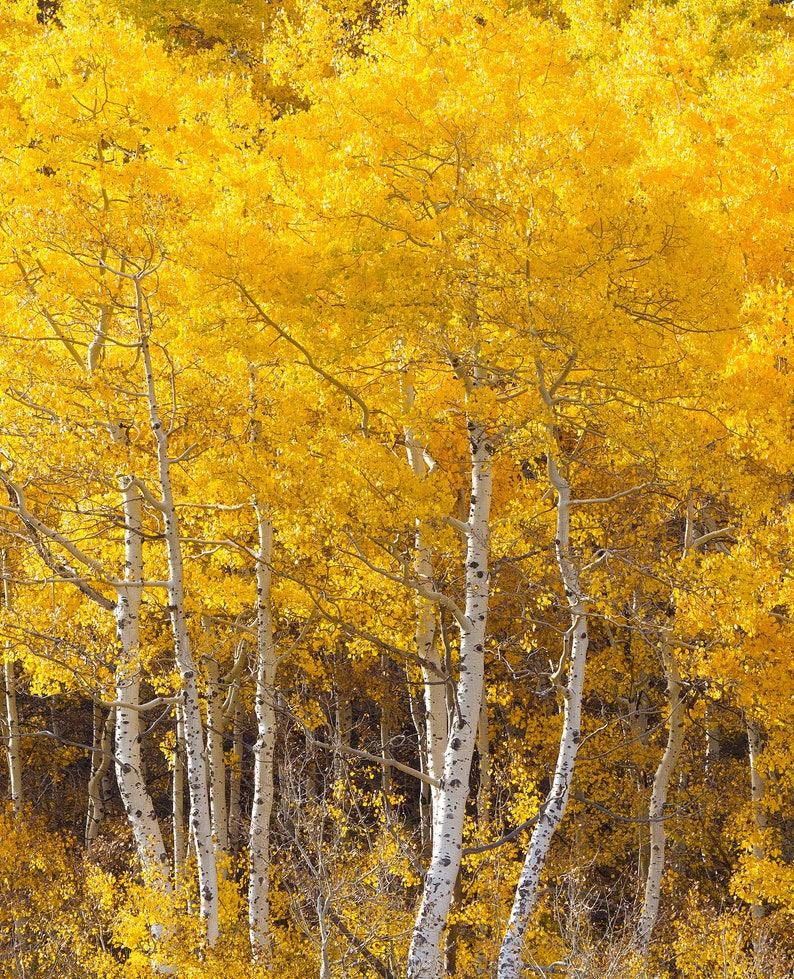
(178, 802)
(325, 936)
(435, 687)
(553, 809)
(656, 809)
(424, 955)
(129, 766)
(757, 790)
(417, 708)
(484, 752)
(386, 732)
(264, 705)
(235, 777)
(217, 763)
(11, 720)
(100, 765)
(129, 770)
(200, 821)
(11, 732)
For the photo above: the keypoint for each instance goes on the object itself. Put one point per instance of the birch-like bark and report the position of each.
(200, 821)
(217, 762)
(484, 753)
(417, 708)
(235, 778)
(325, 936)
(178, 801)
(553, 809)
(656, 808)
(11, 732)
(385, 730)
(129, 764)
(129, 770)
(667, 765)
(434, 683)
(424, 955)
(100, 765)
(11, 721)
(264, 749)
(712, 745)
(757, 790)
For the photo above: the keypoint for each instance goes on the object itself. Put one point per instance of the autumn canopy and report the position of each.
(396, 470)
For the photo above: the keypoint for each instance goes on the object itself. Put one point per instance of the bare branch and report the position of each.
(615, 496)
(387, 762)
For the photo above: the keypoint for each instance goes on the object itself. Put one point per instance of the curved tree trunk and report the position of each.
(200, 821)
(656, 809)
(553, 809)
(100, 766)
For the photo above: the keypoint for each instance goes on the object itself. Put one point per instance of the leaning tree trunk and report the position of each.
(553, 809)
(656, 809)
(264, 749)
(200, 821)
(424, 955)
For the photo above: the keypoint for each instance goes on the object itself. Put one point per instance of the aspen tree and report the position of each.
(434, 726)
(10, 731)
(10, 725)
(757, 789)
(101, 760)
(657, 805)
(264, 748)
(568, 680)
(424, 955)
(200, 819)
(129, 765)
